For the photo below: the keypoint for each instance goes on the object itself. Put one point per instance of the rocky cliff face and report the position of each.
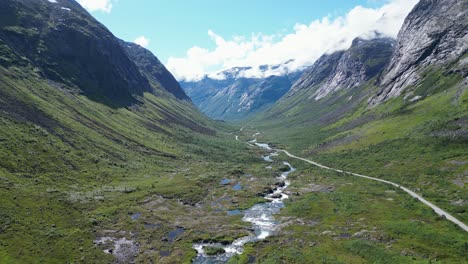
(322, 69)
(433, 34)
(235, 96)
(346, 69)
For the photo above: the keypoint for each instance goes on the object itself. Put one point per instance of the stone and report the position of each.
(434, 33)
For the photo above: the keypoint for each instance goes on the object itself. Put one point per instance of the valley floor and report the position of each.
(436, 209)
(335, 218)
(155, 217)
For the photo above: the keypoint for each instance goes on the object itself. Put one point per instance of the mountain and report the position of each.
(105, 159)
(394, 110)
(232, 95)
(334, 85)
(60, 43)
(57, 42)
(153, 69)
(91, 126)
(433, 35)
(346, 69)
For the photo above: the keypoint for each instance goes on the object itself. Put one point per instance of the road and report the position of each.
(436, 209)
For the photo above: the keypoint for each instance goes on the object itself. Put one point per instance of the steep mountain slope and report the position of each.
(346, 69)
(433, 35)
(406, 123)
(153, 69)
(60, 42)
(233, 96)
(333, 85)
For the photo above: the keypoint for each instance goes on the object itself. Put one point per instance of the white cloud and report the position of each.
(142, 41)
(304, 45)
(94, 5)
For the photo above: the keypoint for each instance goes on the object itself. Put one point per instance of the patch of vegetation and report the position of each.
(356, 221)
(212, 251)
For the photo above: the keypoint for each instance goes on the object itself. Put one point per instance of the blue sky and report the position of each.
(196, 37)
(174, 26)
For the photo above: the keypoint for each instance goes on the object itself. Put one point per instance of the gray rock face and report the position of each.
(317, 73)
(434, 33)
(346, 69)
(236, 97)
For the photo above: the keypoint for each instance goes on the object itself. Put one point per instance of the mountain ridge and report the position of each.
(439, 30)
(231, 95)
(153, 69)
(346, 69)
(407, 134)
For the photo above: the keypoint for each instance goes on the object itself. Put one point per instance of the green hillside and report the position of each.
(105, 159)
(88, 139)
(408, 124)
(420, 143)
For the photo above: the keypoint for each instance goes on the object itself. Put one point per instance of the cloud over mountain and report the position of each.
(142, 41)
(304, 45)
(95, 5)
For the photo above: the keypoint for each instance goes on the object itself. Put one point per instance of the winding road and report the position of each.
(436, 209)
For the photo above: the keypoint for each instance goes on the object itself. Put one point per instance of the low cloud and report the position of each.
(142, 41)
(96, 5)
(304, 45)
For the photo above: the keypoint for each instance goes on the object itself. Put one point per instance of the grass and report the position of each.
(73, 170)
(412, 143)
(421, 145)
(356, 221)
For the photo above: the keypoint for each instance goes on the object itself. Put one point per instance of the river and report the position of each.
(261, 216)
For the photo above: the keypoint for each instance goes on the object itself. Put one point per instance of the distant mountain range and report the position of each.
(105, 158)
(233, 95)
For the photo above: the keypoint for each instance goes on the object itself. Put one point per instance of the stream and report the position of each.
(261, 216)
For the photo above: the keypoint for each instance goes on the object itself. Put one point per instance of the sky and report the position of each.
(195, 38)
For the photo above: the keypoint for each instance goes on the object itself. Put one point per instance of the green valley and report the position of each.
(104, 158)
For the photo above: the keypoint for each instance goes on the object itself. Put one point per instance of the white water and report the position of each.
(262, 145)
(268, 158)
(261, 216)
